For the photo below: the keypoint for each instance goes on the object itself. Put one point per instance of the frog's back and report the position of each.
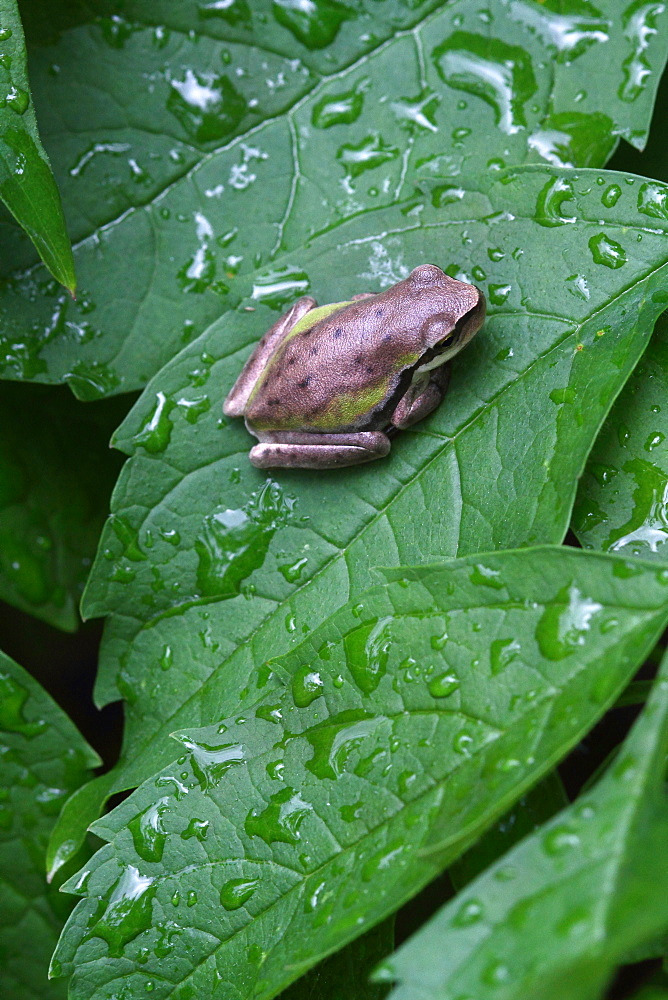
(346, 370)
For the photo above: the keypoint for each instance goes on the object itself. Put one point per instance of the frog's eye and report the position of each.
(426, 275)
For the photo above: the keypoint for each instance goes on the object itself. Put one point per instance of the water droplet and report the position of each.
(314, 23)
(13, 699)
(369, 153)
(367, 651)
(209, 761)
(208, 107)
(500, 74)
(338, 109)
(155, 431)
(564, 623)
(499, 293)
(560, 839)
(495, 974)
(654, 440)
(279, 286)
(234, 543)
(238, 891)
(550, 200)
(17, 99)
(292, 571)
(419, 112)
(444, 685)
(607, 251)
(503, 652)
(281, 819)
(382, 859)
(470, 912)
(611, 195)
(335, 740)
(307, 685)
(653, 200)
(126, 912)
(197, 828)
(647, 526)
(148, 835)
(234, 12)
(639, 20)
(485, 576)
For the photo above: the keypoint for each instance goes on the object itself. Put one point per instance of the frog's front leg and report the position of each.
(422, 396)
(235, 404)
(297, 450)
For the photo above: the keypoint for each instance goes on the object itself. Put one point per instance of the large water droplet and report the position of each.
(314, 23)
(307, 685)
(338, 109)
(148, 835)
(369, 153)
(334, 740)
(443, 685)
(234, 543)
(210, 761)
(500, 74)
(238, 891)
(155, 431)
(564, 624)
(126, 912)
(551, 198)
(639, 20)
(281, 820)
(607, 251)
(503, 652)
(13, 699)
(208, 107)
(653, 200)
(367, 651)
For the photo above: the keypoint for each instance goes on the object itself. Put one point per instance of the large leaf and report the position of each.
(189, 164)
(27, 186)
(551, 919)
(56, 476)
(406, 724)
(622, 503)
(206, 565)
(44, 759)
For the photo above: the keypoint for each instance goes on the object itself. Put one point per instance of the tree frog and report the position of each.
(328, 385)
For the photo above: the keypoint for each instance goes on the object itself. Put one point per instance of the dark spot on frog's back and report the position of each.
(305, 382)
(337, 334)
(379, 312)
(273, 402)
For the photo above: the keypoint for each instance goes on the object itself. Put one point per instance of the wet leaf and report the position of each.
(56, 476)
(552, 918)
(283, 833)
(199, 144)
(27, 185)
(622, 503)
(44, 759)
(207, 565)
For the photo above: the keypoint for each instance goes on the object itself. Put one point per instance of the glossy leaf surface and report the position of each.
(56, 476)
(552, 918)
(199, 143)
(282, 834)
(622, 503)
(44, 759)
(27, 185)
(207, 565)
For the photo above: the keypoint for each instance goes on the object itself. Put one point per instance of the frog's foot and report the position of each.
(423, 396)
(294, 450)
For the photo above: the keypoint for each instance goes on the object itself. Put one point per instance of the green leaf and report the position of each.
(44, 758)
(189, 191)
(56, 476)
(553, 918)
(27, 186)
(622, 502)
(281, 834)
(207, 566)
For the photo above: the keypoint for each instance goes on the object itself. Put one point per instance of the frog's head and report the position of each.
(455, 310)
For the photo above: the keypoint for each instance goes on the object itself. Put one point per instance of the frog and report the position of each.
(329, 386)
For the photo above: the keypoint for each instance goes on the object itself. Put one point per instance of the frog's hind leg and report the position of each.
(296, 450)
(422, 396)
(235, 404)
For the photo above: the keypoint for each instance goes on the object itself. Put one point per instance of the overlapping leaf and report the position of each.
(552, 918)
(622, 504)
(27, 186)
(56, 477)
(198, 142)
(282, 834)
(44, 759)
(208, 566)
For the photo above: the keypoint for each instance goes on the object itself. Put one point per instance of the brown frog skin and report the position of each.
(326, 385)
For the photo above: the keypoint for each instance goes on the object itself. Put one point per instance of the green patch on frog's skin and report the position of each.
(314, 316)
